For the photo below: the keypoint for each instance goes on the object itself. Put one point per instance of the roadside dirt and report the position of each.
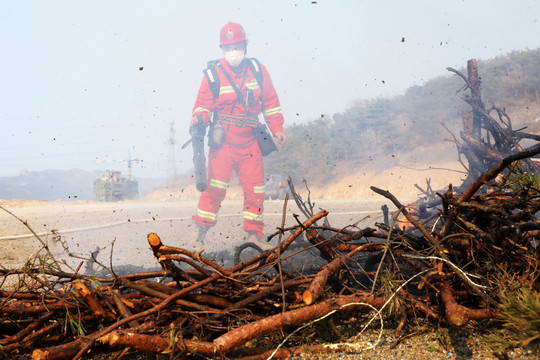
(399, 180)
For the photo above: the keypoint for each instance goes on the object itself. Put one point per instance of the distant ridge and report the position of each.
(48, 185)
(51, 185)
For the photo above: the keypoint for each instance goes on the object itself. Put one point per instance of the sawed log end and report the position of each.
(40, 354)
(110, 338)
(153, 239)
(307, 297)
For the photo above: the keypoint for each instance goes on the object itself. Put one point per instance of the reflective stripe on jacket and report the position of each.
(265, 101)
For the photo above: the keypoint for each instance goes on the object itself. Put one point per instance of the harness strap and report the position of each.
(212, 76)
(255, 67)
(242, 120)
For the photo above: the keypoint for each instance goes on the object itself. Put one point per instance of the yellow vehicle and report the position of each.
(114, 187)
(276, 187)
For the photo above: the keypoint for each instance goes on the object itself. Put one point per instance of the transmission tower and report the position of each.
(171, 170)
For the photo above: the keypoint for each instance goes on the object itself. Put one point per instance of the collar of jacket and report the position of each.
(240, 69)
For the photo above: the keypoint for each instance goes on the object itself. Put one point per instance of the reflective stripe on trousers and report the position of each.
(247, 162)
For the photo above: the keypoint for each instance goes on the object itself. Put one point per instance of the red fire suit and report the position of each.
(240, 151)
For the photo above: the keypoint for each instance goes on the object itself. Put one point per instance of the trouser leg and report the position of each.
(220, 166)
(251, 176)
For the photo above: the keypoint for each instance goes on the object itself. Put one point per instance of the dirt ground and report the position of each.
(421, 342)
(425, 341)
(400, 181)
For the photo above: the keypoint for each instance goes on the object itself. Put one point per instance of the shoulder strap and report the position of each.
(212, 76)
(255, 67)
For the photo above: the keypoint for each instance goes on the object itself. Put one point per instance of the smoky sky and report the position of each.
(90, 84)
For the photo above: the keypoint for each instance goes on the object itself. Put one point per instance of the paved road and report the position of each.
(122, 227)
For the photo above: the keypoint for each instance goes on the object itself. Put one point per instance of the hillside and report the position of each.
(48, 185)
(406, 131)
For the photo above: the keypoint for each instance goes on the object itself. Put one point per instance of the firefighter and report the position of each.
(232, 95)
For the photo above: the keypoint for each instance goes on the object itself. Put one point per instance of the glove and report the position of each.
(205, 118)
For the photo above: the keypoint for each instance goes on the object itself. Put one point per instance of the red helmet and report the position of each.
(232, 33)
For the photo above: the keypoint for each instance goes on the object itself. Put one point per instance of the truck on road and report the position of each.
(112, 186)
(276, 187)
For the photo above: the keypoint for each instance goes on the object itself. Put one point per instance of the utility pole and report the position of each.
(171, 170)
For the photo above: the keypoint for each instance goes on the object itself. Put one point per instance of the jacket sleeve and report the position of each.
(204, 104)
(271, 108)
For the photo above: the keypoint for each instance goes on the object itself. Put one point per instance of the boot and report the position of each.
(253, 237)
(197, 242)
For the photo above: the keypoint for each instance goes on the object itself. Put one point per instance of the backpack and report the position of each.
(213, 78)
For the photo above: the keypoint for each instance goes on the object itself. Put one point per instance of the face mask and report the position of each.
(234, 57)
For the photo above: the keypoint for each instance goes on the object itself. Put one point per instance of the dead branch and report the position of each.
(238, 336)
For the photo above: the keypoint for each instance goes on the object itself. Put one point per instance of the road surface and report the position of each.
(121, 228)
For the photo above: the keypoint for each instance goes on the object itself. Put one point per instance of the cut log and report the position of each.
(236, 337)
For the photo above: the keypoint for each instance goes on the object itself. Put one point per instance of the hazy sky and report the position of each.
(73, 94)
